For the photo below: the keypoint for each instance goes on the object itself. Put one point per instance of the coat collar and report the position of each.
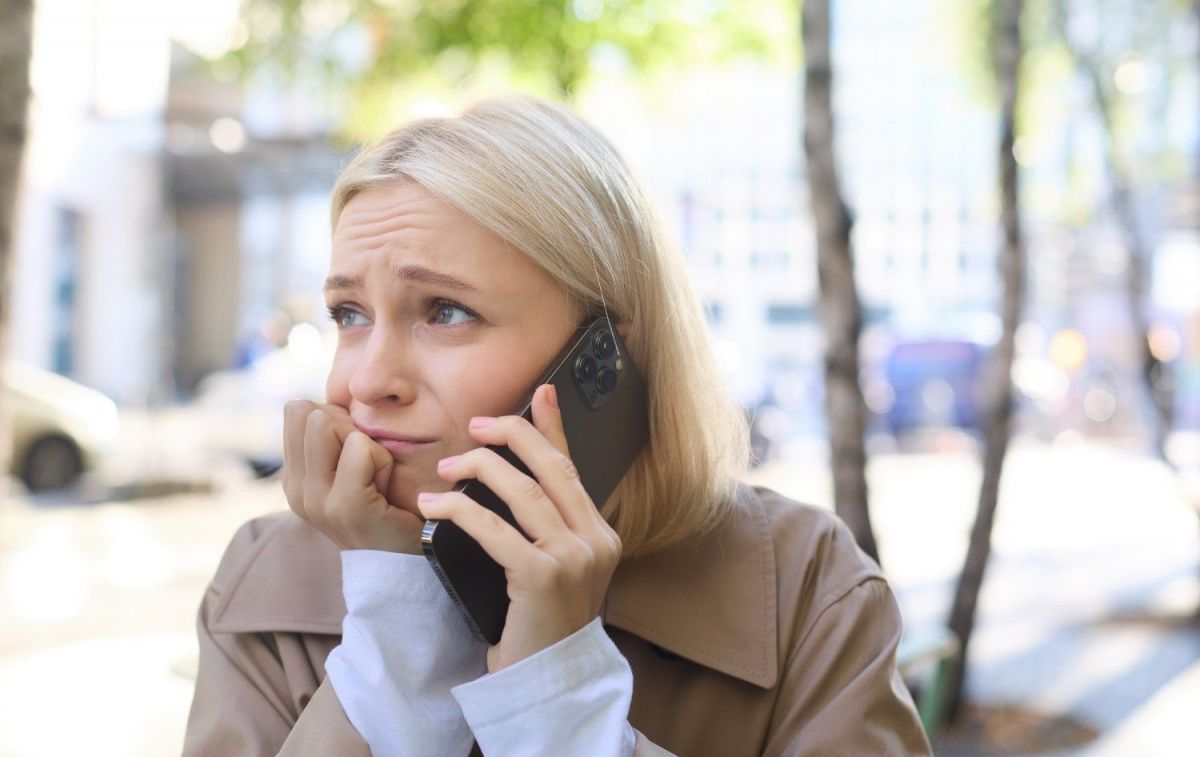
(711, 600)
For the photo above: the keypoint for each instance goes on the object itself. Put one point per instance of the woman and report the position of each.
(688, 614)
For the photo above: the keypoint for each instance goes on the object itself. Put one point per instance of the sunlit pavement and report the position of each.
(1088, 607)
(1083, 612)
(99, 603)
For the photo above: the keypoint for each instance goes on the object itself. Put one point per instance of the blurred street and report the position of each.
(1005, 190)
(1087, 609)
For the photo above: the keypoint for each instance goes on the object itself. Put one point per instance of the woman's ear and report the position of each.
(623, 330)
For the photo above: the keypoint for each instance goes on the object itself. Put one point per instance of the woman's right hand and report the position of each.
(334, 477)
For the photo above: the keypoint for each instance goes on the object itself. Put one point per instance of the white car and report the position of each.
(240, 412)
(60, 429)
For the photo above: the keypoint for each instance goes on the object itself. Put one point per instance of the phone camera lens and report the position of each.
(604, 345)
(585, 368)
(607, 380)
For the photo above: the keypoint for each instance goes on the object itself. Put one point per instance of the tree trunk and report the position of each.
(16, 42)
(841, 315)
(1150, 368)
(998, 394)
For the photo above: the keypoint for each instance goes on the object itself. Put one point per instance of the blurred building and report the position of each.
(170, 216)
(916, 149)
(166, 218)
(88, 274)
(249, 169)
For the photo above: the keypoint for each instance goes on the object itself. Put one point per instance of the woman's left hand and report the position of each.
(557, 582)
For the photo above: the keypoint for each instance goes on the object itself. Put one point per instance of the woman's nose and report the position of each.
(384, 371)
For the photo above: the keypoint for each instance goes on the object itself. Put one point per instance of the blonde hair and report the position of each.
(556, 190)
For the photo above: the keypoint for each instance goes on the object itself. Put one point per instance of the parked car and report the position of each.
(59, 428)
(239, 412)
(934, 384)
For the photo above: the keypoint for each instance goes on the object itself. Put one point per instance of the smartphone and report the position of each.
(606, 419)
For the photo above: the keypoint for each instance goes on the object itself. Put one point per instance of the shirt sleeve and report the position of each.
(570, 698)
(404, 646)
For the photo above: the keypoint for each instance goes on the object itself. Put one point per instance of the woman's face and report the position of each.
(438, 320)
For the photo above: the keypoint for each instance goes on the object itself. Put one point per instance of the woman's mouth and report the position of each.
(401, 446)
(393, 442)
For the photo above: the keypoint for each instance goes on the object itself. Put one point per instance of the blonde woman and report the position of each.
(688, 614)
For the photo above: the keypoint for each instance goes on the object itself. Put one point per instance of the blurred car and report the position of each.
(239, 412)
(933, 383)
(60, 429)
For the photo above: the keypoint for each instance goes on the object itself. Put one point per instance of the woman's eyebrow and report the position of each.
(415, 273)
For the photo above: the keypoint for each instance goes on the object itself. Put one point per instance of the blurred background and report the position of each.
(949, 252)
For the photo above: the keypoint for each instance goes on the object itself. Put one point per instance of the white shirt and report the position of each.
(413, 681)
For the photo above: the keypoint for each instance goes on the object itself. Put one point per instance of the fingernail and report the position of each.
(482, 421)
(552, 395)
(427, 497)
(446, 462)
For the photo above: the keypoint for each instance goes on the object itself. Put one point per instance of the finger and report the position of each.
(321, 452)
(343, 425)
(295, 415)
(361, 462)
(547, 417)
(530, 505)
(501, 541)
(553, 469)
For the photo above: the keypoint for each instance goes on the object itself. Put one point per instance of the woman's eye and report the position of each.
(447, 313)
(339, 313)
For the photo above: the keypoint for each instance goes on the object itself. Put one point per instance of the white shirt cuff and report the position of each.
(404, 646)
(570, 698)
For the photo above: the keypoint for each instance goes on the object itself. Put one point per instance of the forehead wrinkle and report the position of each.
(386, 228)
(386, 217)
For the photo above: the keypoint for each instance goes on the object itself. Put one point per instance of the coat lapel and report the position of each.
(711, 600)
(290, 581)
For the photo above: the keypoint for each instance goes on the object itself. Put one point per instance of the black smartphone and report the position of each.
(606, 419)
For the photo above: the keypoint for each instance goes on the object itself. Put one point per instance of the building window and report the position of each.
(789, 314)
(67, 234)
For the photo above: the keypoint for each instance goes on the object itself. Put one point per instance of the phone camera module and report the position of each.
(585, 368)
(604, 345)
(607, 380)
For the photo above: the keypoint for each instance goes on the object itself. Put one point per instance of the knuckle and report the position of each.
(530, 489)
(482, 457)
(567, 465)
(490, 520)
(514, 422)
(296, 407)
(450, 503)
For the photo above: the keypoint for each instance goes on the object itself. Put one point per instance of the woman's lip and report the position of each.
(384, 435)
(397, 445)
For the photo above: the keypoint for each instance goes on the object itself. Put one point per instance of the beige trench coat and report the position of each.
(773, 635)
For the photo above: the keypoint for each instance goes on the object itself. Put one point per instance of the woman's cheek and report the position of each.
(336, 389)
(408, 481)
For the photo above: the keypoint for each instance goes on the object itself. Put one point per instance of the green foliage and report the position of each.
(374, 48)
(1056, 89)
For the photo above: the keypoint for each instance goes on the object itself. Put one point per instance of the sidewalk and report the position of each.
(1086, 609)
(1166, 725)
